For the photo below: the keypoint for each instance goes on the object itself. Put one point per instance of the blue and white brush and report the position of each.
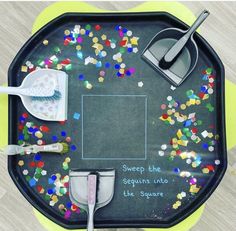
(43, 86)
(38, 93)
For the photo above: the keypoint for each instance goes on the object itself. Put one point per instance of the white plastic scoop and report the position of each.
(44, 94)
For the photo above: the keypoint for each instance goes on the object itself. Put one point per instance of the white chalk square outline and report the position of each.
(145, 128)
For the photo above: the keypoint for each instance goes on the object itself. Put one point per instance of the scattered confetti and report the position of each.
(21, 163)
(109, 54)
(45, 42)
(100, 79)
(140, 84)
(24, 68)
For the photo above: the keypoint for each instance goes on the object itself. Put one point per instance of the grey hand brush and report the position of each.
(173, 53)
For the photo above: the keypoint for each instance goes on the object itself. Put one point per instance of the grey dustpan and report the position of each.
(78, 188)
(173, 52)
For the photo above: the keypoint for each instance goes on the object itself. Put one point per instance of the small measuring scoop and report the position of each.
(91, 190)
(174, 52)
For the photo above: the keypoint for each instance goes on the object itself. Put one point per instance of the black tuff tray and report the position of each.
(120, 126)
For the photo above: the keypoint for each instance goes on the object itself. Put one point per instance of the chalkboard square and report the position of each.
(114, 127)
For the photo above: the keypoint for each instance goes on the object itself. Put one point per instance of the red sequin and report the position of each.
(62, 122)
(32, 69)
(67, 41)
(194, 130)
(97, 27)
(211, 85)
(65, 62)
(39, 188)
(178, 152)
(74, 207)
(165, 116)
(20, 126)
(201, 94)
(44, 128)
(107, 43)
(32, 164)
(25, 115)
(210, 167)
(123, 43)
(40, 164)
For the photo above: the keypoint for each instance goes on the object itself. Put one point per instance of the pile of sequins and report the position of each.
(35, 170)
(189, 132)
(123, 43)
(108, 53)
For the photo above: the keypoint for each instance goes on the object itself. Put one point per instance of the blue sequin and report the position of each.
(107, 65)
(21, 137)
(176, 170)
(68, 204)
(124, 30)
(37, 157)
(128, 73)
(203, 89)
(130, 49)
(50, 181)
(118, 74)
(73, 147)
(50, 191)
(54, 177)
(117, 66)
(54, 138)
(22, 118)
(32, 182)
(31, 130)
(81, 77)
(117, 27)
(205, 146)
(63, 133)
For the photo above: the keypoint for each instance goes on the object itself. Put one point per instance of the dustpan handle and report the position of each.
(198, 22)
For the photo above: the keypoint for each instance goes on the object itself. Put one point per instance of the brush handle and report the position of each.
(55, 148)
(92, 191)
(12, 150)
(175, 50)
(36, 92)
(201, 18)
(90, 226)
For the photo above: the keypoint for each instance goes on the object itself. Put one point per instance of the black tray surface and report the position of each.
(166, 144)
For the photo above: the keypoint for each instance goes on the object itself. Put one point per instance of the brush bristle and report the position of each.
(65, 148)
(55, 96)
